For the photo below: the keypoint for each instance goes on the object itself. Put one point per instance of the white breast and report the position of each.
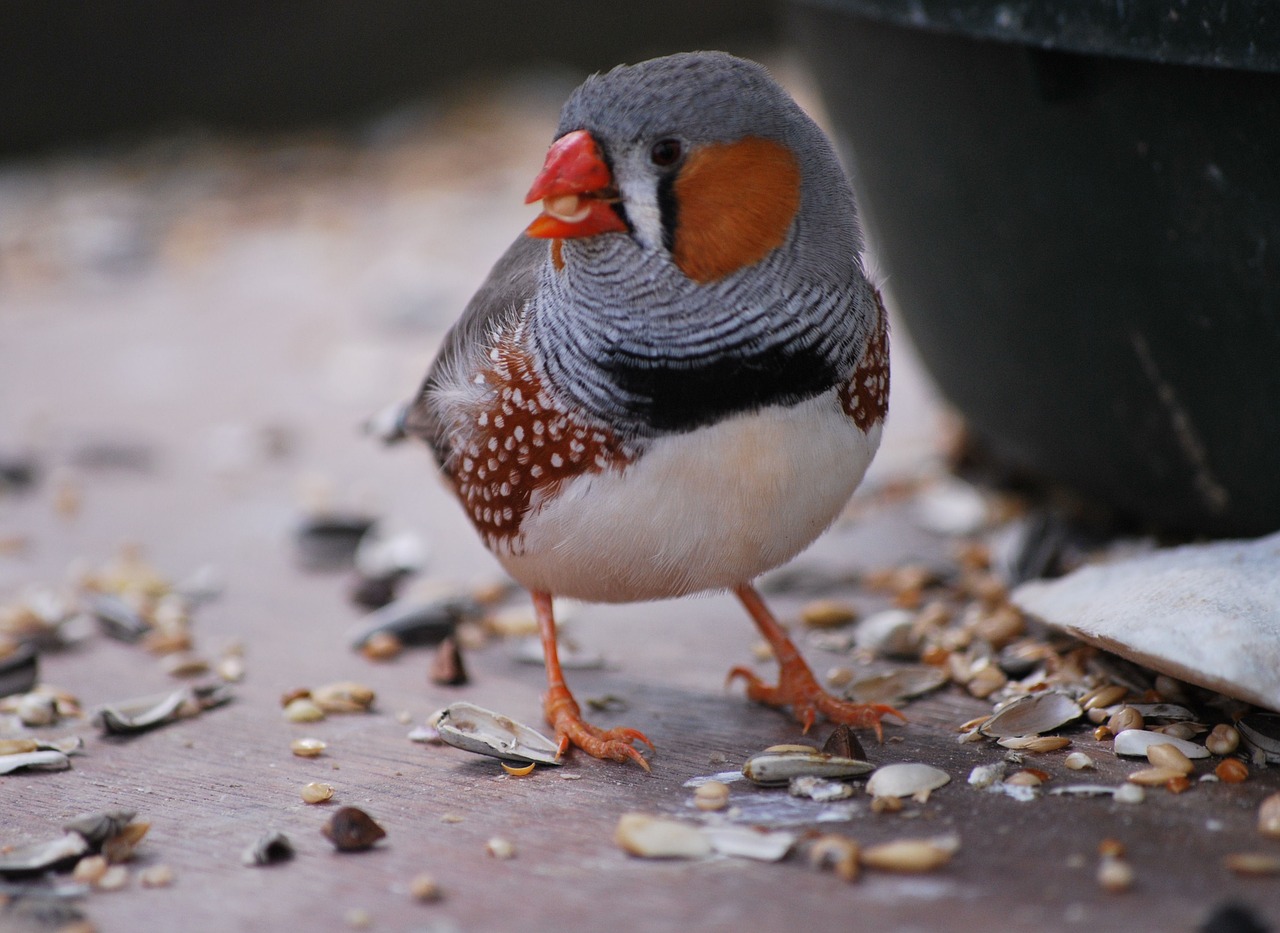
(704, 510)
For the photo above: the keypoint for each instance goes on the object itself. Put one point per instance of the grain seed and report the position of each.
(1078, 761)
(425, 889)
(351, 830)
(113, 879)
(827, 613)
(910, 855)
(316, 792)
(1166, 755)
(651, 837)
(303, 709)
(1130, 793)
(90, 869)
(381, 646)
(713, 795)
(119, 847)
(156, 876)
(1153, 777)
(1115, 875)
(1269, 816)
(345, 696)
(308, 747)
(500, 848)
(837, 853)
(1107, 695)
(1223, 740)
(1126, 717)
(1232, 771)
(521, 771)
(1254, 863)
(1035, 743)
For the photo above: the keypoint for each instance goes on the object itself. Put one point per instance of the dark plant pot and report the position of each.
(1077, 207)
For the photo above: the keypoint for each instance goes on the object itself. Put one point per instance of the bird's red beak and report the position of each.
(576, 189)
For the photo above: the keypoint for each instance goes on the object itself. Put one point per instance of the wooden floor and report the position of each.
(285, 306)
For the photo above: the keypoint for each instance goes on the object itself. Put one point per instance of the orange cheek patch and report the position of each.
(735, 203)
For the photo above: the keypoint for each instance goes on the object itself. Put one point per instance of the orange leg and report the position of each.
(797, 687)
(562, 710)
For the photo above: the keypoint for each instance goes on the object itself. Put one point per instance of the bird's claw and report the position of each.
(797, 688)
(615, 744)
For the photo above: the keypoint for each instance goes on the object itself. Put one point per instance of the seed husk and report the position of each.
(184, 664)
(519, 771)
(316, 792)
(844, 744)
(139, 715)
(1130, 793)
(271, 848)
(97, 828)
(906, 779)
(308, 747)
(749, 842)
(1137, 742)
(910, 855)
(819, 789)
(837, 853)
(500, 848)
(1254, 863)
(1166, 755)
(1025, 778)
(651, 837)
(1223, 740)
(350, 829)
(34, 761)
(39, 857)
(1269, 816)
(156, 876)
(1032, 714)
(713, 795)
(18, 746)
(1232, 771)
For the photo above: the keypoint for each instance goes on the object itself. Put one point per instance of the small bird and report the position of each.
(675, 378)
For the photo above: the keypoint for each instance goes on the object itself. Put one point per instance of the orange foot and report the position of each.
(562, 710)
(565, 716)
(797, 687)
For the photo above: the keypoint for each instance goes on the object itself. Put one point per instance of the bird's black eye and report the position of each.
(666, 152)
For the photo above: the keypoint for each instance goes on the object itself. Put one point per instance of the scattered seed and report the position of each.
(1269, 816)
(90, 869)
(1035, 743)
(1178, 784)
(1112, 848)
(18, 746)
(119, 847)
(844, 744)
(840, 677)
(910, 855)
(713, 795)
(515, 771)
(907, 779)
(345, 696)
(156, 876)
(1254, 863)
(297, 693)
(1166, 755)
(381, 646)
(1078, 761)
(1223, 740)
(1126, 717)
(113, 879)
(97, 828)
(1107, 695)
(837, 853)
(308, 748)
(986, 681)
(425, 889)
(447, 668)
(827, 613)
(651, 837)
(500, 848)
(303, 709)
(1102, 733)
(230, 668)
(1025, 778)
(184, 664)
(1115, 875)
(1136, 742)
(886, 805)
(1032, 714)
(1130, 793)
(1153, 777)
(37, 709)
(352, 830)
(1232, 771)
(270, 849)
(316, 792)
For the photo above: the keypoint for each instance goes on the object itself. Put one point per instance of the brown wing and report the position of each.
(512, 282)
